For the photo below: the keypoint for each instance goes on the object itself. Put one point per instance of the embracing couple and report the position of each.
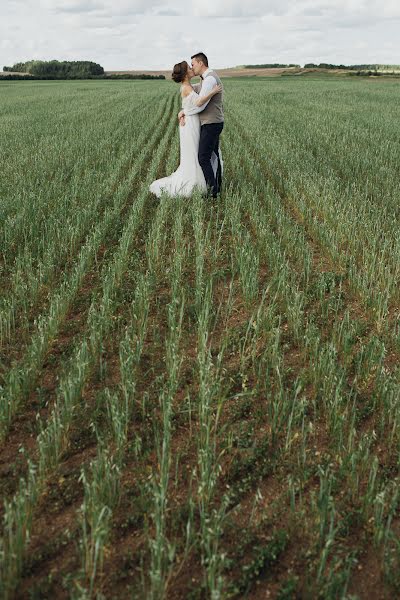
(201, 121)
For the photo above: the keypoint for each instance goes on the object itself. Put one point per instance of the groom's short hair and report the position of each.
(201, 56)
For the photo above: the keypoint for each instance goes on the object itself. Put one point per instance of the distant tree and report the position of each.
(57, 75)
(133, 76)
(79, 69)
(19, 77)
(271, 66)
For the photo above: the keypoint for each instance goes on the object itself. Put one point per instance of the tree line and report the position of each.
(352, 67)
(271, 66)
(77, 69)
(375, 67)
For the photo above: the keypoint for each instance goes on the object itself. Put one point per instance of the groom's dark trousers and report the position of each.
(209, 143)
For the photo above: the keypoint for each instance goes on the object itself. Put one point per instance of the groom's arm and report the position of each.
(206, 88)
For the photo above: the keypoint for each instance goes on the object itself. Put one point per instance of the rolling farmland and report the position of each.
(200, 400)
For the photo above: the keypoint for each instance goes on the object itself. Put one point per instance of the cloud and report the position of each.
(101, 7)
(233, 8)
(154, 34)
(167, 12)
(73, 6)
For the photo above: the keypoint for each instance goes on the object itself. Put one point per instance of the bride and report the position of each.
(189, 174)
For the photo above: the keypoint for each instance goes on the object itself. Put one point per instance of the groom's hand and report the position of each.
(182, 121)
(181, 114)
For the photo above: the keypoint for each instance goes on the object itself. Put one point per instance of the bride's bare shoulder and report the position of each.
(186, 90)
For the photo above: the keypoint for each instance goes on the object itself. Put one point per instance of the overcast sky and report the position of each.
(155, 34)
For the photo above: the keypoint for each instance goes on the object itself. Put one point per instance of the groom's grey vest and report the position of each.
(214, 111)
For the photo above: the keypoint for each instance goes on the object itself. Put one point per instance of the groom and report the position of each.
(211, 119)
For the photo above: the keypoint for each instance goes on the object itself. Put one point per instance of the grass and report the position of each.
(218, 384)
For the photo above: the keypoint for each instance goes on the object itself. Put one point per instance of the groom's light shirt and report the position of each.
(208, 84)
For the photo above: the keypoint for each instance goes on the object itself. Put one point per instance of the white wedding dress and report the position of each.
(189, 174)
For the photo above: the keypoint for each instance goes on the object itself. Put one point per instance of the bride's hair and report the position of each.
(179, 71)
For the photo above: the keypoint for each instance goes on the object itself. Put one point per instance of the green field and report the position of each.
(200, 400)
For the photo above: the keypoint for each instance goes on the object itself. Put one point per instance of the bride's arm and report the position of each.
(204, 99)
(208, 86)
